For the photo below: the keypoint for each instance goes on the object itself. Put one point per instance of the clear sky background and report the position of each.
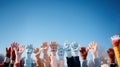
(33, 21)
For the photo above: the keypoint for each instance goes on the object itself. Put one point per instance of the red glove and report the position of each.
(83, 53)
(111, 55)
(116, 42)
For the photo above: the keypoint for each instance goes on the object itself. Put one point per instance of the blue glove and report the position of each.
(67, 47)
(28, 60)
(61, 53)
(74, 47)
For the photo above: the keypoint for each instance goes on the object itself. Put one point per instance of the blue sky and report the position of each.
(33, 21)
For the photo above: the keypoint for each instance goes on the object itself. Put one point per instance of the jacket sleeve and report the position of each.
(61, 63)
(53, 61)
(113, 65)
(46, 60)
(38, 62)
(117, 54)
(76, 61)
(70, 61)
(96, 62)
(84, 63)
(6, 62)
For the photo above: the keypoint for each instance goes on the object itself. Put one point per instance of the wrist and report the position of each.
(12, 61)
(45, 53)
(17, 59)
(61, 57)
(83, 58)
(111, 60)
(94, 55)
(53, 53)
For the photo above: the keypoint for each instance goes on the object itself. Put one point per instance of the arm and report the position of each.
(74, 47)
(70, 61)
(111, 55)
(53, 61)
(18, 53)
(38, 60)
(44, 49)
(96, 62)
(53, 49)
(84, 63)
(93, 48)
(46, 60)
(67, 47)
(76, 61)
(116, 46)
(7, 58)
(28, 60)
(61, 57)
(12, 56)
(83, 54)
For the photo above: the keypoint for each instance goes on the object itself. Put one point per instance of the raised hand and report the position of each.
(67, 47)
(44, 47)
(83, 53)
(116, 46)
(111, 55)
(115, 40)
(61, 53)
(13, 45)
(74, 47)
(28, 60)
(93, 48)
(36, 52)
(8, 51)
(53, 47)
(29, 50)
(18, 52)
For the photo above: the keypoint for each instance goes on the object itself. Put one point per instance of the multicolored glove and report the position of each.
(67, 47)
(28, 60)
(61, 53)
(83, 53)
(111, 55)
(116, 46)
(74, 47)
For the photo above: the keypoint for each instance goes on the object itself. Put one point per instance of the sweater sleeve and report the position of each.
(70, 61)
(46, 60)
(76, 61)
(96, 62)
(61, 63)
(117, 54)
(38, 62)
(84, 63)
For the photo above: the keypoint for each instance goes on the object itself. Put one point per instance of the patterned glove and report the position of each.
(74, 47)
